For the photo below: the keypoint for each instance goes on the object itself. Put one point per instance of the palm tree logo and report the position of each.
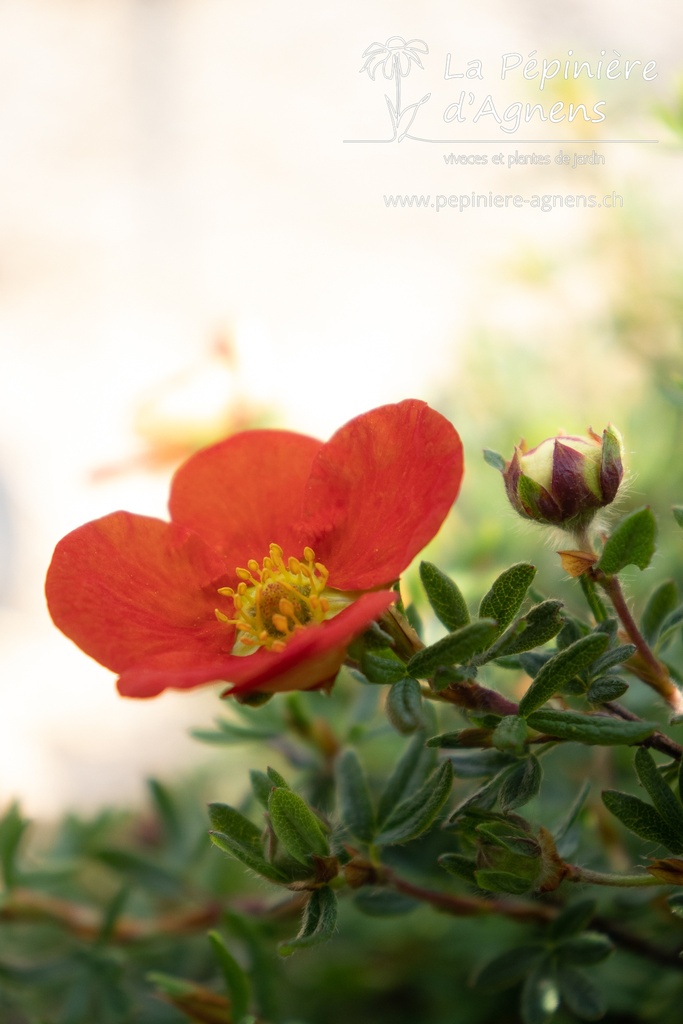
(395, 58)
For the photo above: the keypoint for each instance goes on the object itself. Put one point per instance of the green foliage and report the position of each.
(319, 920)
(505, 597)
(444, 596)
(592, 729)
(556, 672)
(631, 543)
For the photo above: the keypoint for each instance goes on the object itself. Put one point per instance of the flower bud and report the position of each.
(565, 479)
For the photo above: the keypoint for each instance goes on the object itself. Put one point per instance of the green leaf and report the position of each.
(240, 838)
(486, 796)
(444, 596)
(521, 784)
(507, 835)
(584, 949)
(592, 729)
(235, 979)
(631, 543)
(382, 666)
(662, 601)
(456, 648)
(560, 669)
(564, 825)
(479, 763)
(605, 689)
(572, 920)
(458, 865)
(277, 779)
(543, 622)
(414, 816)
(355, 805)
(166, 809)
(12, 828)
(505, 597)
(378, 902)
(510, 734)
(494, 459)
(404, 706)
(296, 826)
(670, 627)
(660, 793)
(261, 786)
(540, 995)
(615, 656)
(678, 514)
(318, 924)
(642, 819)
(411, 770)
(508, 968)
(502, 881)
(228, 733)
(580, 993)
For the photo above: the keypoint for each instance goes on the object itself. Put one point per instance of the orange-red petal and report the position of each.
(309, 659)
(245, 493)
(129, 589)
(378, 492)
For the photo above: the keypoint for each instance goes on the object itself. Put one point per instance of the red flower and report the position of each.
(195, 601)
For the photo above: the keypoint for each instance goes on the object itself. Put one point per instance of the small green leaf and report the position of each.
(404, 706)
(591, 729)
(540, 995)
(458, 865)
(631, 543)
(587, 948)
(502, 881)
(296, 826)
(543, 622)
(615, 656)
(510, 734)
(277, 779)
(261, 786)
(455, 649)
(485, 797)
(382, 666)
(508, 968)
(642, 819)
(521, 784)
(660, 793)
(240, 838)
(235, 979)
(678, 514)
(572, 920)
(479, 763)
(494, 459)
(318, 924)
(605, 689)
(505, 597)
(355, 805)
(507, 835)
(444, 596)
(580, 993)
(560, 669)
(414, 816)
(662, 601)
(411, 771)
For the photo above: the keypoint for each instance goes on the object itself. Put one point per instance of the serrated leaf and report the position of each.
(543, 622)
(560, 669)
(580, 993)
(318, 924)
(660, 793)
(455, 649)
(382, 666)
(507, 593)
(444, 596)
(414, 816)
(508, 968)
(502, 881)
(641, 818)
(235, 979)
(631, 543)
(661, 602)
(296, 826)
(606, 688)
(404, 706)
(411, 770)
(521, 784)
(355, 805)
(591, 729)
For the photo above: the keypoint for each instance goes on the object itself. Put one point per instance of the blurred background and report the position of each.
(188, 246)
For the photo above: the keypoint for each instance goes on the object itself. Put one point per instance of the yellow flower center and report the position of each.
(275, 601)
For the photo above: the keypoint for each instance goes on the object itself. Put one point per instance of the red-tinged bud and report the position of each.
(564, 480)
